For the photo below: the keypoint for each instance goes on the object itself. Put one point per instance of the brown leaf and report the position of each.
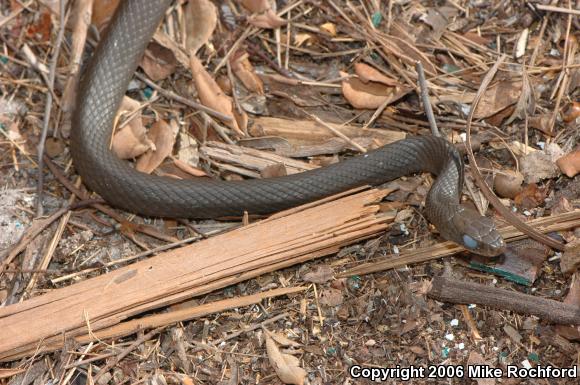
(527, 101)
(536, 166)
(186, 380)
(508, 183)
(103, 11)
(158, 62)
(256, 6)
(498, 97)
(266, 20)
(41, 28)
(274, 170)
(163, 136)
(366, 73)
(322, 274)
(281, 339)
(286, 366)
(54, 147)
(263, 16)
(571, 112)
(530, 197)
(365, 95)
(210, 93)
(188, 169)
(329, 28)
(571, 257)
(130, 140)
(331, 297)
(245, 72)
(570, 164)
(200, 22)
(302, 38)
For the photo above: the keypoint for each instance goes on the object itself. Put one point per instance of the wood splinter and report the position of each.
(451, 290)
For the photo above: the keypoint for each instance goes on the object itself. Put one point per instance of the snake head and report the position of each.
(477, 233)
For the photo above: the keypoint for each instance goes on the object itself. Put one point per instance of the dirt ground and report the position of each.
(305, 84)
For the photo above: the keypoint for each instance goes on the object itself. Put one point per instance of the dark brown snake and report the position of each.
(102, 88)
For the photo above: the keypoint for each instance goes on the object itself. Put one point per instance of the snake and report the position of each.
(103, 84)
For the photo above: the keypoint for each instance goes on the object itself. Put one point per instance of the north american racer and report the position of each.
(101, 90)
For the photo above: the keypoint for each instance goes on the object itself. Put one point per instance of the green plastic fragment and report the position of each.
(450, 68)
(354, 282)
(509, 276)
(148, 92)
(376, 18)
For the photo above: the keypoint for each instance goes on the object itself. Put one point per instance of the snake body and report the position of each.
(102, 88)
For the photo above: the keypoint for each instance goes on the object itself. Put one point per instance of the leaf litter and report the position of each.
(351, 64)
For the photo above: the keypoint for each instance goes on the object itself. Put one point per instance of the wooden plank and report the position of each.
(149, 322)
(287, 238)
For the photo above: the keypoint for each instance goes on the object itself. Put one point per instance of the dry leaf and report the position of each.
(163, 136)
(322, 274)
(267, 20)
(103, 11)
(498, 97)
(366, 73)
(224, 83)
(130, 140)
(158, 62)
(526, 102)
(256, 6)
(54, 147)
(331, 297)
(538, 165)
(530, 197)
(302, 38)
(571, 112)
(241, 121)
(570, 164)
(245, 72)
(520, 48)
(281, 339)
(210, 93)
(329, 28)
(508, 183)
(40, 30)
(274, 170)
(186, 380)
(200, 22)
(365, 95)
(13, 129)
(285, 365)
(263, 16)
(188, 169)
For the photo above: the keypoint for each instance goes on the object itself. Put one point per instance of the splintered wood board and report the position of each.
(296, 235)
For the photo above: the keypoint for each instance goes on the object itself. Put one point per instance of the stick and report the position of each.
(425, 97)
(48, 108)
(446, 289)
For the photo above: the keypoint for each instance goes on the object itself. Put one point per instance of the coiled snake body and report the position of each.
(102, 88)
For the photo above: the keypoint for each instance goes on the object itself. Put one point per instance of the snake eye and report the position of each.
(469, 242)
